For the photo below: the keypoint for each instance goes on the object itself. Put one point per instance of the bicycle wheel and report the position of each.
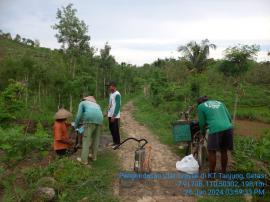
(195, 145)
(199, 150)
(188, 148)
(202, 155)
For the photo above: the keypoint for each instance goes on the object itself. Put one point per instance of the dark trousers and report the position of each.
(114, 128)
(61, 152)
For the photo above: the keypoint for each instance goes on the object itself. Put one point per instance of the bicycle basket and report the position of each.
(181, 131)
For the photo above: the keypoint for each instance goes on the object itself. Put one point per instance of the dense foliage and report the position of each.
(16, 145)
(56, 78)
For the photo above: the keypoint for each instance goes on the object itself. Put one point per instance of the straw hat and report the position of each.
(90, 98)
(62, 114)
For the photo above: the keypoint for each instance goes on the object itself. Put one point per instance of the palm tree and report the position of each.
(196, 54)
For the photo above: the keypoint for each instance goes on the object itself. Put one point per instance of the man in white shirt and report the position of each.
(114, 112)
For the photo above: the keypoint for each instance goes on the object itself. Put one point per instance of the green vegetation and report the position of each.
(16, 145)
(252, 154)
(34, 83)
(60, 78)
(152, 117)
(73, 181)
(236, 64)
(25, 159)
(10, 101)
(195, 55)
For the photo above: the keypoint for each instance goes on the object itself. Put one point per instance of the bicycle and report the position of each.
(187, 130)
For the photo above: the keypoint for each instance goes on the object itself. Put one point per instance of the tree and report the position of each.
(107, 62)
(158, 84)
(196, 54)
(7, 36)
(36, 43)
(11, 100)
(260, 74)
(237, 59)
(29, 42)
(17, 38)
(72, 34)
(236, 64)
(126, 76)
(159, 63)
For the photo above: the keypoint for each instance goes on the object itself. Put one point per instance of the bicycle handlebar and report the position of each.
(186, 113)
(131, 138)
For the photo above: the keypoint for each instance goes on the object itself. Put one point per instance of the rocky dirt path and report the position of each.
(163, 159)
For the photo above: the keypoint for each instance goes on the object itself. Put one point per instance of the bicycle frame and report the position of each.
(198, 144)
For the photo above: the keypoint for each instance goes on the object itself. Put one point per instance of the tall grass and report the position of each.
(157, 120)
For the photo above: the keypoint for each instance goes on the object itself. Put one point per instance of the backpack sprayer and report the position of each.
(142, 158)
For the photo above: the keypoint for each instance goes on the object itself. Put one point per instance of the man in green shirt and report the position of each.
(214, 115)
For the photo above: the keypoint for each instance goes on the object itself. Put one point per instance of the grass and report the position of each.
(159, 122)
(254, 113)
(73, 180)
(244, 152)
(248, 151)
(15, 145)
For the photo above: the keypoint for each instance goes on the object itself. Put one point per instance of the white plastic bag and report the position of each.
(188, 165)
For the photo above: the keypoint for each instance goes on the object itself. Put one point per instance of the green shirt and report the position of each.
(215, 116)
(117, 105)
(89, 112)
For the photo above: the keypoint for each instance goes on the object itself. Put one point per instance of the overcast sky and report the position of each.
(140, 31)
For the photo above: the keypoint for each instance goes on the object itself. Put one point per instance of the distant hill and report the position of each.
(9, 47)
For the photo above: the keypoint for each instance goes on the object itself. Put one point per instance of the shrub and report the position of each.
(262, 150)
(16, 145)
(11, 101)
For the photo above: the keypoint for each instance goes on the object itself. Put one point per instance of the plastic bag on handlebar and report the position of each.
(188, 165)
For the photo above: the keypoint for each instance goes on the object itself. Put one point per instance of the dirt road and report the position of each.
(163, 159)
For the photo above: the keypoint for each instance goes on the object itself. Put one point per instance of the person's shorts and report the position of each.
(222, 140)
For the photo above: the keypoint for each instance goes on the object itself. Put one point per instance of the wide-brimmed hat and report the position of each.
(62, 114)
(90, 98)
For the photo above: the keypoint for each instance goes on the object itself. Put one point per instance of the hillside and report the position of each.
(169, 77)
(11, 48)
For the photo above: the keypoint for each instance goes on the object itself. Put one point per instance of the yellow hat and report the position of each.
(62, 114)
(90, 98)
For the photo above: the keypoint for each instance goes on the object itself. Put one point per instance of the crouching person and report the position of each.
(62, 142)
(90, 113)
